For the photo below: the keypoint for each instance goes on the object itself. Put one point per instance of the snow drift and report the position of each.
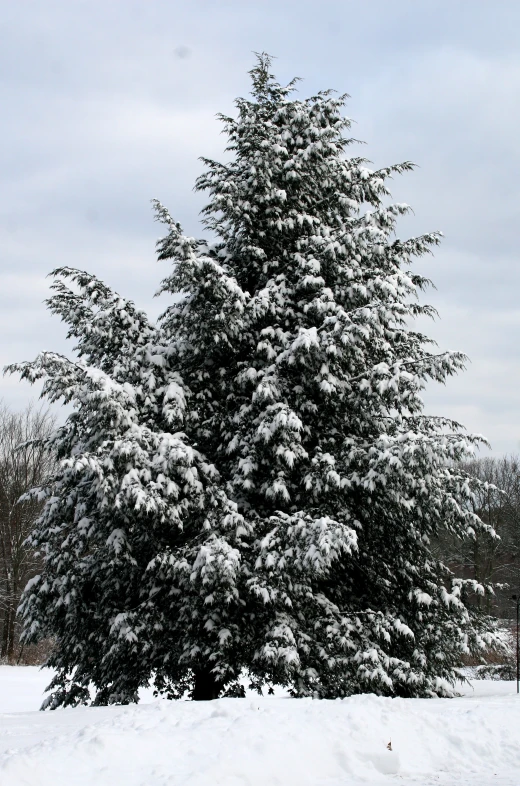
(260, 741)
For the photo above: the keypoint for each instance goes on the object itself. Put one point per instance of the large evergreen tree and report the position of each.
(253, 484)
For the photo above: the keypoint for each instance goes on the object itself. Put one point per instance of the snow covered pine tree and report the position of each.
(251, 487)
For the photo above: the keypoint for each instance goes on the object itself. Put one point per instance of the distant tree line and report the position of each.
(24, 464)
(488, 559)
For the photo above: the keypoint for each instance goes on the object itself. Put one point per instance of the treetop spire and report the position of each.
(265, 85)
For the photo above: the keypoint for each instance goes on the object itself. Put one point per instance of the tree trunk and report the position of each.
(206, 686)
(5, 632)
(10, 636)
(7, 646)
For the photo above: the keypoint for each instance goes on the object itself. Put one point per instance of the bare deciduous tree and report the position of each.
(24, 464)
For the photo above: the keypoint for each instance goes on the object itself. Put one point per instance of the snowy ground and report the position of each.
(260, 741)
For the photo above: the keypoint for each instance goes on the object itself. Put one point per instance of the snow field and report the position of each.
(260, 741)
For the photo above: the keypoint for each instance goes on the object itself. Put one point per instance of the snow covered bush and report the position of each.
(252, 485)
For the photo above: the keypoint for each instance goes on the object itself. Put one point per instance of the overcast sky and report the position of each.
(106, 104)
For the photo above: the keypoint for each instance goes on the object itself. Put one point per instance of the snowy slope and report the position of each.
(260, 741)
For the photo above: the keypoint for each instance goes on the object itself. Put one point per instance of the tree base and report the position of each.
(206, 686)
